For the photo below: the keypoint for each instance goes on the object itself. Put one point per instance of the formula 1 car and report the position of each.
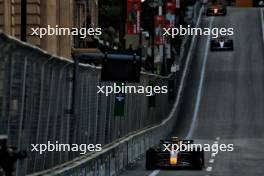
(222, 44)
(216, 10)
(160, 158)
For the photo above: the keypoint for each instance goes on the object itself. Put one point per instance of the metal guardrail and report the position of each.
(35, 96)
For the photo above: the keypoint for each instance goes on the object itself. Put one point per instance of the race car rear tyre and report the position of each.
(150, 159)
(232, 45)
(202, 158)
(224, 12)
(198, 160)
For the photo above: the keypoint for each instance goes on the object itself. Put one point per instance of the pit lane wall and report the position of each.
(35, 97)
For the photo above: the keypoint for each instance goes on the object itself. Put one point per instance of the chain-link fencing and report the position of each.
(35, 105)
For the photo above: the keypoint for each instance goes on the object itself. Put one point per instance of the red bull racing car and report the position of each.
(164, 157)
(216, 10)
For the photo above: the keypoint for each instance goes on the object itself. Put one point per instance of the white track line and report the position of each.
(155, 172)
(262, 21)
(211, 161)
(199, 93)
(209, 169)
(213, 155)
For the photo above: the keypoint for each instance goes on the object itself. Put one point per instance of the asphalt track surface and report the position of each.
(227, 91)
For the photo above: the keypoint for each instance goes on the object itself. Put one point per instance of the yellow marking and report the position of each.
(173, 160)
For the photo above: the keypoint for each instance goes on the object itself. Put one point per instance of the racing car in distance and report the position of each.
(216, 10)
(159, 158)
(221, 44)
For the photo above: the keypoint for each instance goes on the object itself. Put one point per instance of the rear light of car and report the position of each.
(215, 11)
(173, 158)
